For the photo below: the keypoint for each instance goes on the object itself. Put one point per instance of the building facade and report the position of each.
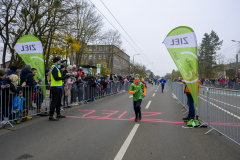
(111, 56)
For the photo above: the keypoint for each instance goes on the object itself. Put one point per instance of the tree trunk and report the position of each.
(4, 55)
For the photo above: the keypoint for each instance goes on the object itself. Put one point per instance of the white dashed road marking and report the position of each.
(148, 104)
(127, 142)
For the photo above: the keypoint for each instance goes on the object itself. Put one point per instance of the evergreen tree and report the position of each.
(207, 53)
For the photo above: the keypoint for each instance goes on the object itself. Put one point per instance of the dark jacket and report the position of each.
(46, 80)
(104, 84)
(27, 76)
(10, 72)
(13, 88)
(55, 75)
(3, 82)
(64, 73)
(91, 82)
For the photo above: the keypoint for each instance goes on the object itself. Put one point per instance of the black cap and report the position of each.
(14, 68)
(62, 66)
(56, 59)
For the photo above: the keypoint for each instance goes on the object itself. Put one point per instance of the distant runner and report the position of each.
(163, 81)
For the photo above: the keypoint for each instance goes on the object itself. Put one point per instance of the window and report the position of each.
(85, 56)
(105, 48)
(104, 56)
(90, 56)
(100, 56)
(90, 49)
(94, 56)
(100, 48)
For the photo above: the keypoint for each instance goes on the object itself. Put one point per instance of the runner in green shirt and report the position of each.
(138, 90)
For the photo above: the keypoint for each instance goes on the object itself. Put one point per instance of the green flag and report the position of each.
(181, 43)
(30, 50)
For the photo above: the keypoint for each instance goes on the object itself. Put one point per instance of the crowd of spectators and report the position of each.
(231, 83)
(18, 92)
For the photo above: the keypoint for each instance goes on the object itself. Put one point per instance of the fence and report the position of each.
(217, 108)
(17, 108)
(229, 85)
(177, 89)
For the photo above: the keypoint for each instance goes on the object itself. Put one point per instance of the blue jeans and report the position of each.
(80, 94)
(191, 106)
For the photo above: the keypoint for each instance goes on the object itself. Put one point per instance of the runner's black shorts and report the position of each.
(137, 103)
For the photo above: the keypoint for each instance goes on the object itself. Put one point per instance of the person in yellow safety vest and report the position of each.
(56, 90)
(190, 102)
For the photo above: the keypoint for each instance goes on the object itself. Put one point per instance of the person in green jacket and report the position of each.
(138, 90)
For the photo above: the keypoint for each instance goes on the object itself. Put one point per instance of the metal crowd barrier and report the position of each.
(178, 93)
(217, 108)
(229, 85)
(19, 108)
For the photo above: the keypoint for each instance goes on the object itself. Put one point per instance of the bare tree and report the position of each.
(112, 41)
(87, 24)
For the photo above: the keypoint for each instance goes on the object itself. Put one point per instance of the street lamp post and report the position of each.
(236, 60)
(133, 62)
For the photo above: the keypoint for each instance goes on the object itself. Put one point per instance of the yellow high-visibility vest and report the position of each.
(55, 83)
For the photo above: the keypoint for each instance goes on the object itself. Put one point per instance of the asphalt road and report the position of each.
(105, 130)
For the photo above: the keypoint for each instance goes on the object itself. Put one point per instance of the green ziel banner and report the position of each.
(181, 43)
(30, 50)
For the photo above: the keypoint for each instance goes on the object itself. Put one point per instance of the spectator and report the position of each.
(104, 83)
(18, 107)
(13, 70)
(109, 85)
(67, 91)
(190, 103)
(74, 90)
(74, 69)
(4, 94)
(80, 71)
(38, 96)
(114, 84)
(27, 76)
(80, 84)
(63, 68)
(13, 81)
(63, 72)
(92, 84)
(14, 89)
(46, 77)
(69, 69)
(56, 90)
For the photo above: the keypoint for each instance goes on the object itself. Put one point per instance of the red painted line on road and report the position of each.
(92, 111)
(119, 118)
(156, 113)
(122, 114)
(114, 112)
(131, 119)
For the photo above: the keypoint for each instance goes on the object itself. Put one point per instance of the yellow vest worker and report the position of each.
(56, 90)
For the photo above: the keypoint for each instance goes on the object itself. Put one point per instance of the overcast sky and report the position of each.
(148, 23)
